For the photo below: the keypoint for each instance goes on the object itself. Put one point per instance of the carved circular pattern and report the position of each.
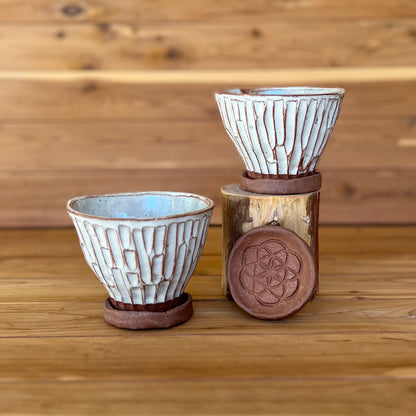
(271, 272)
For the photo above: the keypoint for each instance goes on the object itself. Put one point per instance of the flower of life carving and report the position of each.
(270, 272)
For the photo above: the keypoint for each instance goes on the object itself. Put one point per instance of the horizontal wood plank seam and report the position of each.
(225, 334)
(176, 118)
(330, 297)
(217, 77)
(212, 380)
(54, 172)
(259, 19)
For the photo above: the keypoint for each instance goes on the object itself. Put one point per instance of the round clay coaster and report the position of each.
(147, 319)
(271, 272)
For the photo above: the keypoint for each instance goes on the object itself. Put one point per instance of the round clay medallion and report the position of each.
(271, 272)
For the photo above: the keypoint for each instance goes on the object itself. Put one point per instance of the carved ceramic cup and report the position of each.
(280, 132)
(143, 247)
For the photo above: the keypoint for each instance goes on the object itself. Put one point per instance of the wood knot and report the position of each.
(412, 122)
(89, 66)
(347, 190)
(89, 87)
(103, 27)
(256, 33)
(173, 54)
(60, 34)
(412, 33)
(412, 313)
(73, 10)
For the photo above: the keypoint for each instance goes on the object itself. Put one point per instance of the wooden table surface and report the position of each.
(352, 351)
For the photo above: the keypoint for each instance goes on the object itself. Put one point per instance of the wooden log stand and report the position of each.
(243, 211)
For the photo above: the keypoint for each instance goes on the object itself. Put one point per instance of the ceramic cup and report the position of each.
(280, 132)
(143, 247)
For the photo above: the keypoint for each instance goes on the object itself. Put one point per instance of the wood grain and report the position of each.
(359, 197)
(375, 262)
(399, 269)
(350, 351)
(284, 356)
(46, 11)
(105, 136)
(358, 284)
(116, 145)
(242, 76)
(391, 199)
(397, 241)
(112, 145)
(203, 45)
(88, 100)
(219, 397)
(72, 318)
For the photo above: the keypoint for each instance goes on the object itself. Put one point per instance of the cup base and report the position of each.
(151, 307)
(146, 319)
(275, 186)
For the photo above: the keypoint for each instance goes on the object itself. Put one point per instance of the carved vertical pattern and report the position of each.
(279, 135)
(143, 264)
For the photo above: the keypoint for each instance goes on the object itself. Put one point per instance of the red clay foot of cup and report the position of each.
(146, 319)
(279, 186)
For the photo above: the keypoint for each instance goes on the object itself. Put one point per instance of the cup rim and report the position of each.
(294, 91)
(73, 211)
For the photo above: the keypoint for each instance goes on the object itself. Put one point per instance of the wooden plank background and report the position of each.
(103, 96)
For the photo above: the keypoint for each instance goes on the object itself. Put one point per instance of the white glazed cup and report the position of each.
(144, 246)
(280, 131)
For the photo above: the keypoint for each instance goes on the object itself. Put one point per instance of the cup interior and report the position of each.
(140, 205)
(287, 91)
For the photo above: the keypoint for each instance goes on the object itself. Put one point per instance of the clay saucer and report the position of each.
(146, 319)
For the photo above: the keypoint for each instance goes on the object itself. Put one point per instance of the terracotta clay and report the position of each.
(149, 319)
(274, 186)
(150, 307)
(271, 272)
